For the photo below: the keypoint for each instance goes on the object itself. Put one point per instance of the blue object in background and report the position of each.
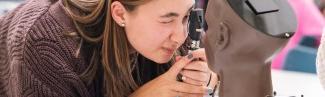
(303, 57)
(309, 41)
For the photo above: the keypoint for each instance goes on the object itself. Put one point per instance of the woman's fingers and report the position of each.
(193, 82)
(200, 54)
(179, 94)
(184, 61)
(178, 58)
(196, 75)
(190, 89)
(214, 80)
(198, 66)
(193, 72)
(179, 65)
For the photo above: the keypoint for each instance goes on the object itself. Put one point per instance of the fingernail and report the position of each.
(209, 90)
(190, 56)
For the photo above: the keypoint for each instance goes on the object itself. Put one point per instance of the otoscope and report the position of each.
(195, 26)
(196, 22)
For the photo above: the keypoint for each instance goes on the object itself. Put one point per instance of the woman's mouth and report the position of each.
(169, 51)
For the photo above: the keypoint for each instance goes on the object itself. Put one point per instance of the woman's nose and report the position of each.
(180, 32)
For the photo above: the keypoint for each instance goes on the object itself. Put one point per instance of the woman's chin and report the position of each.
(162, 60)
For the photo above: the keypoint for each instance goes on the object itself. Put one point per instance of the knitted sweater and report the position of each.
(36, 59)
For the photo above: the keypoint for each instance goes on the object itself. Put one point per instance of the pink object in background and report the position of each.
(310, 22)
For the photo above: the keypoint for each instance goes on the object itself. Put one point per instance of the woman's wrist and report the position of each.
(213, 83)
(212, 80)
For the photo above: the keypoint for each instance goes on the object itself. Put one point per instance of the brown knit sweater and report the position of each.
(36, 59)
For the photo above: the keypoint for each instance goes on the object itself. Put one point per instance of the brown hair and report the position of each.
(109, 44)
(321, 6)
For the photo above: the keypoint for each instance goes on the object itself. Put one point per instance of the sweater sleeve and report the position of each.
(35, 59)
(49, 68)
(46, 70)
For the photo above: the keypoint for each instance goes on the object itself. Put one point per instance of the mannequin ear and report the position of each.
(223, 36)
(118, 13)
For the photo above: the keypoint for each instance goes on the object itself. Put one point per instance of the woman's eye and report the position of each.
(185, 19)
(166, 22)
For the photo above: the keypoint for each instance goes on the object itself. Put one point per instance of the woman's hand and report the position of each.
(166, 84)
(197, 71)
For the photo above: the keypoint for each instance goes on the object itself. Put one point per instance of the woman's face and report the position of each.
(157, 28)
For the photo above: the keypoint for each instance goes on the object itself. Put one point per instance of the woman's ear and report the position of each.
(223, 36)
(118, 13)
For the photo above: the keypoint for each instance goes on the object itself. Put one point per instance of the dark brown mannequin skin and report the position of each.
(238, 53)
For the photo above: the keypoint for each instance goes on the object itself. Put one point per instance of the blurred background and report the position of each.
(6, 5)
(294, 69)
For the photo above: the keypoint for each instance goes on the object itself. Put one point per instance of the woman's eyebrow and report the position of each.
(175, 14)
(170, 14)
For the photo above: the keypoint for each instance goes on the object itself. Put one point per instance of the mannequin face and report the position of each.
(239, 53)
(212, 17)
(230, 39)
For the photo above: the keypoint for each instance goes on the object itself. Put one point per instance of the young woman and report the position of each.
(100, 48)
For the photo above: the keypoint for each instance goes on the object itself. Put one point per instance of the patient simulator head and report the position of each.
(242, 38)
(246, 30)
